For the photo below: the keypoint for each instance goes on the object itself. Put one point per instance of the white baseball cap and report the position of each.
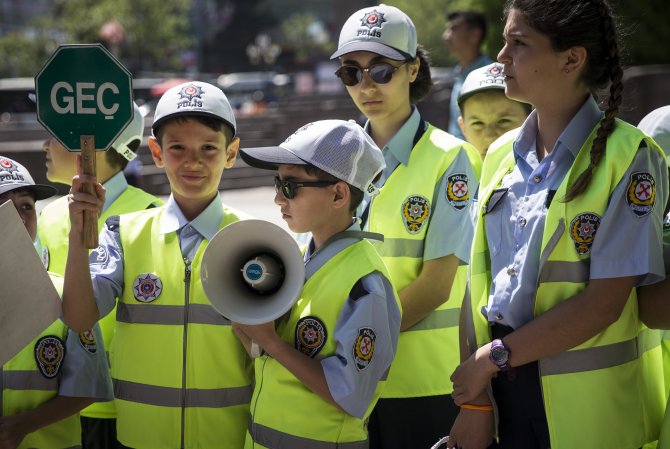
(131, 137)
(656, 124)
(489, 77)
(194, 98)
(14, 176)
(382, 29)
(341, 148)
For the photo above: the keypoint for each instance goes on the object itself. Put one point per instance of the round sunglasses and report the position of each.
(288, 188)
(380, 73)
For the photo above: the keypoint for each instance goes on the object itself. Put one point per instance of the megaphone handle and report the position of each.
(255, 350)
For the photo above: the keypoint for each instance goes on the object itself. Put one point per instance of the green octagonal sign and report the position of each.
(84, 90)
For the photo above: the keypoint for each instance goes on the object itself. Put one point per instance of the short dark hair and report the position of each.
(213, 123)
(420, 87)
(356, 193)
(473, 19)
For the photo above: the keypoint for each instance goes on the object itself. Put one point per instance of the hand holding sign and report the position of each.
(84, 98)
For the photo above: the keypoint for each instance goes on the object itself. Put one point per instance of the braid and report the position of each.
(608, 123)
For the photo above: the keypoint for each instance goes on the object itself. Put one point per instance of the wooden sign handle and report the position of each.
(88, 168)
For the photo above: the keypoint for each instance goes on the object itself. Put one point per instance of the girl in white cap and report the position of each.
(423, 212)
(570, 219)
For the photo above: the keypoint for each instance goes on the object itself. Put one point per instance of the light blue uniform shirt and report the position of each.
(106, 261)
(625, 244)
(85, 373)
(351, 388)
(441, 239)
(460, 74)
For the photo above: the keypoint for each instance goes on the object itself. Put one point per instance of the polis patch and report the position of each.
(147, 287)
(458, 193)
(49, 355)
(87, 341)
(99, 256)
(310, 335)
(369, 22)
(364, 348)
(190, 96)
(583, 230)
(641, 193)
(415, 212)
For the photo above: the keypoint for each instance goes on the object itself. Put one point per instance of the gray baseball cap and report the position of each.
(341, 148)
(656, 124)
(14, 176)
(382, 29)
(489, 77)
(194, 98)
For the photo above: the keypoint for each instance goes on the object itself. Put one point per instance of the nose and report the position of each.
(280, 199)
(503, 57)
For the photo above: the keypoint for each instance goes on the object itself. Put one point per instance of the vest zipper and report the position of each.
(187, 288)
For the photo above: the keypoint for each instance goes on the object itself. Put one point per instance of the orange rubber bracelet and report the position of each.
(483, 408)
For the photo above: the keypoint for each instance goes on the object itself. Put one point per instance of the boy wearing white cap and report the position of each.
(181, 377)
(423, 212)
(98, 420)
(324, 366)
(486, 113)
(59, 372)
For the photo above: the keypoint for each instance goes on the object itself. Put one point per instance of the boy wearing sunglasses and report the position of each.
(423, 212)
(181, 376)
(324, 363)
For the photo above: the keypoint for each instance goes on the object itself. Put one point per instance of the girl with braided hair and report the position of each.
(570, 222)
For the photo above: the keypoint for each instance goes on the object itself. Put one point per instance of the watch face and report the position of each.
(499, 355)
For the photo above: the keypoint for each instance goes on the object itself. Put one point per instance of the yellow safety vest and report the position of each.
(182, 379)
(53, 230)
(428, 352)
(281, 402)
(31, 378)
(607, 392)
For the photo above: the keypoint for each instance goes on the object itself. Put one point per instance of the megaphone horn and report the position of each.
(252, 271)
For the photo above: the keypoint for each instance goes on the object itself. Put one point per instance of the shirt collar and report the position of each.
(207, 223)
(114, 187)
(573, 136)
(336, 245)
(402, 142)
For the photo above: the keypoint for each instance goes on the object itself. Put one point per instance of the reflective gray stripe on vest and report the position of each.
(562, 271)
(601, 357)
(28, 380)
(400, 248)
(437, 319)
(274, 439)
(170, 315)
(172, 397)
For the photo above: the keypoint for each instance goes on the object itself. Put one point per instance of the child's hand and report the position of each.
(79, 201)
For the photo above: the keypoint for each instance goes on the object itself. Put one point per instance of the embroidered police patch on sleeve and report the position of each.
(87, 340)
(49, 355)
(147, 287)
(45, 257)
(364, 348)
(310, 335)
(641, 193)
(583, 230)
(415, 212)
(458, 193)
(99, 256)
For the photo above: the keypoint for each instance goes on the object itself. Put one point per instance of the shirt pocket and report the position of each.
(493, 220)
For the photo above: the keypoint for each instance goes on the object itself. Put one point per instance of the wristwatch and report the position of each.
(500, 354)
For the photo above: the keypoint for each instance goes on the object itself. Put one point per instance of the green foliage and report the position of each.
(156, 33)
(306, 41)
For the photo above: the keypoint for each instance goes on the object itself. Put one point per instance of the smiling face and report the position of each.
(194, 157)
(24, 202)
(488, 115)
(382, 103)
(532, 67)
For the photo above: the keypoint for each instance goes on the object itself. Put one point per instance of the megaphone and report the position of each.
(252, 271)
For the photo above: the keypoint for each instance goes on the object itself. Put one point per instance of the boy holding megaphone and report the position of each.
(181, 377)
(323, 365)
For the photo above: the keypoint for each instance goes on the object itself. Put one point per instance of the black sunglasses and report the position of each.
(380, 73)
(288, 188)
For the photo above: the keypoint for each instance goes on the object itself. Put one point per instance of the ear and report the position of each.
(575, 60)
(156, 152)
(342, 195)
(231, 152)
(414, 69)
